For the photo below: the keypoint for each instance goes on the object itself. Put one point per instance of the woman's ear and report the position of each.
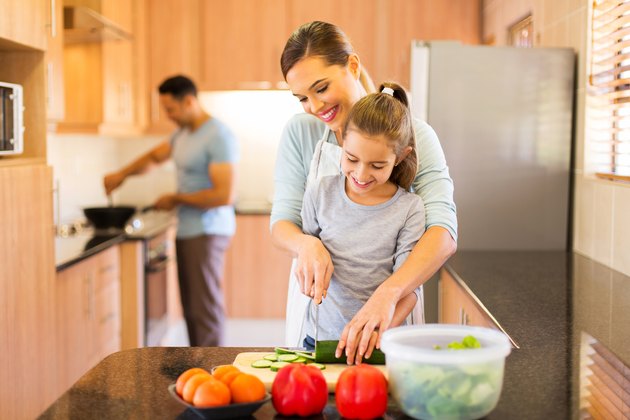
(354, 65)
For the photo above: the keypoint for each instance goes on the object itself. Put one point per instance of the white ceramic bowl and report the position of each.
(444, 384)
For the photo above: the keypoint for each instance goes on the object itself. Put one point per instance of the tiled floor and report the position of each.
(239, 333)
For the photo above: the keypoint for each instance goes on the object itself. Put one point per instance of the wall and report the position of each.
(601, 226)
(80, 161)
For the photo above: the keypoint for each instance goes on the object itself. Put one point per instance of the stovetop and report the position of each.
(82, 241)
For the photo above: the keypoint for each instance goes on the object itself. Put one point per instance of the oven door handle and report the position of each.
(157, 264)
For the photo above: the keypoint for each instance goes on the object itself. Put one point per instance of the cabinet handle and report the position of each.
(49, 79)
(110, 267)
(155, 103)
(90, 297)
(53, 19)
(463, 316)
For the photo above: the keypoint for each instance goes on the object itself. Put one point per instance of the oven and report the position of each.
(159, 260)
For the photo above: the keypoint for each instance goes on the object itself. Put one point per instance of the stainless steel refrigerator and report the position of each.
(504, 118)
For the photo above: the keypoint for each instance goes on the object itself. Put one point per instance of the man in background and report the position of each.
(205, 153)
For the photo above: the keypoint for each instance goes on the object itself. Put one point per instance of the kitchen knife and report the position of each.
(316, 325)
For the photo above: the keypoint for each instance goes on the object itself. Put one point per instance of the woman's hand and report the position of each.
(314, 268)
(363, 333)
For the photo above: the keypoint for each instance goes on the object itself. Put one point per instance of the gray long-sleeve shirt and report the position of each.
(366, 244)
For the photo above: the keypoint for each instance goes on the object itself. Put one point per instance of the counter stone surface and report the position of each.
(544, 300)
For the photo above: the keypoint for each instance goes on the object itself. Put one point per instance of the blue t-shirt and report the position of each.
(193, 152)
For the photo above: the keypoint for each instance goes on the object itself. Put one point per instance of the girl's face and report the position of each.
(326, 91)
(367, 163)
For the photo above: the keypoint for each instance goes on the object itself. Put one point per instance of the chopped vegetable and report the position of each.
(468, 342)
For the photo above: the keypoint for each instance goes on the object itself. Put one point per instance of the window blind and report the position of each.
(608, 100)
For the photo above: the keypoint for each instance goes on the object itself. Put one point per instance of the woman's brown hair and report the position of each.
(388, 115)
(320, 39)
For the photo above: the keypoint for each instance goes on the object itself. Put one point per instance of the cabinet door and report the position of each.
(402, 21)
(118, 60)
(173, 48)
(241, 43)
(72, 327)
(25, 22)
(54, 64)
(359, 19)
(105, 304)
(257, 273)
(457, 306)
(27, 282)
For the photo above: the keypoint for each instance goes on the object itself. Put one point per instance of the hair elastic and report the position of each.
(388, 91)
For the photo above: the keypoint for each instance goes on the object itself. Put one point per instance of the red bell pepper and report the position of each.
(299, 390)
(361, 392)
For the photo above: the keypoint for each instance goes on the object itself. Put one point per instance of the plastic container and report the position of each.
(444, 384)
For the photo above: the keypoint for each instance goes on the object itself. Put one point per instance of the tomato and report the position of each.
(299, 390)
(181, 379)
(361, 392)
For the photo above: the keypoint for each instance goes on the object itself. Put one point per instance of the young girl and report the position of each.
(366, 217)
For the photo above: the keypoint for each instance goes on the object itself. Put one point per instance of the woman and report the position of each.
(325, 75)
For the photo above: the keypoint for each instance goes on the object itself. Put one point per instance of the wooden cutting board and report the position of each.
(244, 361)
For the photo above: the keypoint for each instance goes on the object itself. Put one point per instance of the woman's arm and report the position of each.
(295, 152)
(430, 253)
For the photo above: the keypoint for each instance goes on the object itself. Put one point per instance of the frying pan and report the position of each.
(109, 217)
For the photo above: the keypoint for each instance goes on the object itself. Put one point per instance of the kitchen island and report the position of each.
(546, 301)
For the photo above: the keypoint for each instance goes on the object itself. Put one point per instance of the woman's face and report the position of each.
(367, 163)
(326, 91)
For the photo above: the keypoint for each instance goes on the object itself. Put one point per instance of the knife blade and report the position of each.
(316, 325)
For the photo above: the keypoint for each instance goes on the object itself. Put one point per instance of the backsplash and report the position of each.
(80, 161)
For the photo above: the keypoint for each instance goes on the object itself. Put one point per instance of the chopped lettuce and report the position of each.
(447, 391)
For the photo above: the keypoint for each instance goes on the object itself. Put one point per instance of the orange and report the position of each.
(193, 383)
(181, 379)
(221, 370)
(211, 393)
(230, 376)
(247, 388)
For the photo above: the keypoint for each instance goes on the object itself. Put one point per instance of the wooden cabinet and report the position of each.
(173, 44)
(241, 43)
(55, 106)
(458, 305)
(24, 22)
(27, 287)
(104, 80)
(257, 273)
(87, 314)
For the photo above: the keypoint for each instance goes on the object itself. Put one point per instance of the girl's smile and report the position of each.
(367, 163)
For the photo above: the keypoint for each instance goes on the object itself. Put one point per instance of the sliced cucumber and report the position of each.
(271, 357)
(261, 363)
(276, 366)
(287, 357)
(300, 359)
(318, 366)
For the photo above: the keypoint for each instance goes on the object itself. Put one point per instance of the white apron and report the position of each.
(326, 161)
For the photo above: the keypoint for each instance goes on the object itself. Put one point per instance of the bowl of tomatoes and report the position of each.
(223, 393)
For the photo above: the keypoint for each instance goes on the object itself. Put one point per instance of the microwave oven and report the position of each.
(11, 119)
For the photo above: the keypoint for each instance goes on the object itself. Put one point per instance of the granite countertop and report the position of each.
(544, 300)
(74, 248)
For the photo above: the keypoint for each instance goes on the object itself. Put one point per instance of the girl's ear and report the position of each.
(403, 154)
(354, 65)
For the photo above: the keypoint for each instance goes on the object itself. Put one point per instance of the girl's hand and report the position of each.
(363, 333)
(314, 268)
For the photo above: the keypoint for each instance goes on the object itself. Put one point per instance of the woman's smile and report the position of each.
(328, 115)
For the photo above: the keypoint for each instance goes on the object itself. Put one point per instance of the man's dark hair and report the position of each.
(178, 86)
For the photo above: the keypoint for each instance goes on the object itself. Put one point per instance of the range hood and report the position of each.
(82, 25)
